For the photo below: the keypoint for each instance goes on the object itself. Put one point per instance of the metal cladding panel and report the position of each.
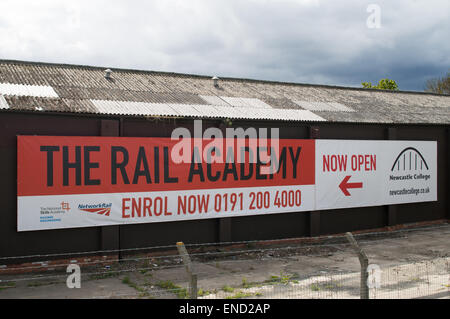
(185, 110)
(246, 102)
(27, 90)
(302, 115)
(42, 91)
(276, 114)
(134, 108)
(315, 106)
(107, 107)
(230, 112)
(199, 110)
(341, 107)
(248, 113)
(156, 109)
(305, 105)
(214, 100)
(209, 110)
(324, 106)
(233, 101)
(257, 103)
(3, 103)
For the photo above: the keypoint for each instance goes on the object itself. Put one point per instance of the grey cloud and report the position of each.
(287, 40)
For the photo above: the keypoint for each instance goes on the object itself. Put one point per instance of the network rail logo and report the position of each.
(100, 209)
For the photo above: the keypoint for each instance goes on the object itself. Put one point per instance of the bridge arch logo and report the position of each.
(410, 159)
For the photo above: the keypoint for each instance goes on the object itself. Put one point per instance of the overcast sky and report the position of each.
(306, 41)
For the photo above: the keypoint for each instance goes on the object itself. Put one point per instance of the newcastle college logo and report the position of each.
(409, 159)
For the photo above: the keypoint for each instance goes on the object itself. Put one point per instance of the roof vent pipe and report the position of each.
(108, 73)
(216, 81)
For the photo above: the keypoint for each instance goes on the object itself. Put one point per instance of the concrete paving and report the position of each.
(415, 264)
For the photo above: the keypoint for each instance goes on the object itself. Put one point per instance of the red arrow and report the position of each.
(344, 185)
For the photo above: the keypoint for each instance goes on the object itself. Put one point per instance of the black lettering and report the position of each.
(67, 165)
(88, 165)
(167, 178)
(121, 166)
(156, 163)
(245, 177)
(294, 160)
(209, 174)
(212, 178)
(49, 150)
(282, 162)
(196, 171)
(259, 163)
(141, 161)
(227, 170)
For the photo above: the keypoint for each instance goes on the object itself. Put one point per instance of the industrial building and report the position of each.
(72, 100)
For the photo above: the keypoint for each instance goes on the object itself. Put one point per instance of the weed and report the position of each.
(282, 278)
(202, 292)
(239, 295)
(6, 285)
(126, 280)
(245, 284)
(182, 293)
(103, 275)
(314, 287)
(227, 289)
(41, 283)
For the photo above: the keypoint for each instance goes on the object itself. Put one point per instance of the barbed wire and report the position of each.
(260, 242)
(330, 285)
(42, 264)
(159, 267)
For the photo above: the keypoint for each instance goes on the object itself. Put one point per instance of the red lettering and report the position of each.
(125, 207)
(166, 213)
(334, 163)
(147, 206)
(203, 202)
(192, 205)
(182, 204)
(158, 206)
(136, 207)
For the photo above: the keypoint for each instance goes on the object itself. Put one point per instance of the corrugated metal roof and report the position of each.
(3, 103)
(207, 111)
(27, 90)
(214, 100)
(185, 110)
(134, 108)
(70, 88)
(341, 107)
(324, 106)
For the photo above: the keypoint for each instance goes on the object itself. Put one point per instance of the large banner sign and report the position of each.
(373, 173)
(67, 182)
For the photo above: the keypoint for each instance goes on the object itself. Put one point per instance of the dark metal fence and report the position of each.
(267, 227)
